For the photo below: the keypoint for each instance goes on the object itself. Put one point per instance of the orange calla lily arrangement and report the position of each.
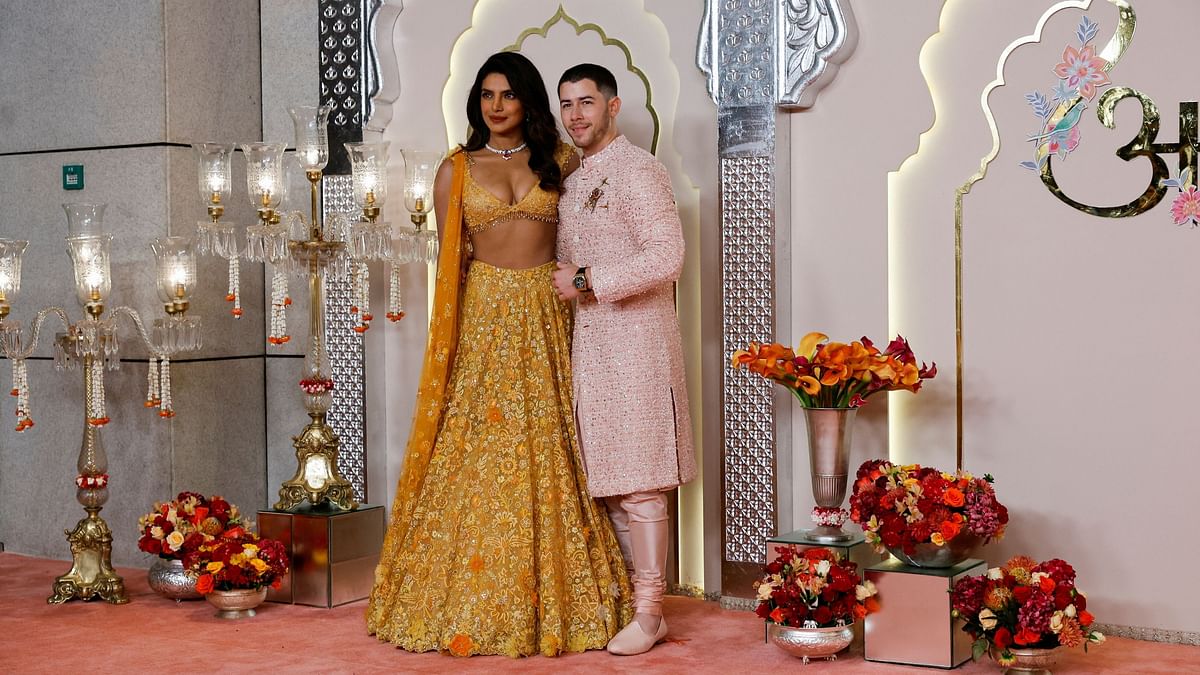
(824, 374)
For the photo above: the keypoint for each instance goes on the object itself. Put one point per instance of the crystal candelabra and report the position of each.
(91, 344)
(316, 251)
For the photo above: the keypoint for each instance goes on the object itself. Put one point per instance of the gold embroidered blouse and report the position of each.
(483, 210)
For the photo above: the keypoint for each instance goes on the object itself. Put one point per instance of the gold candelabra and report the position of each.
(92, 343)
(341, 246)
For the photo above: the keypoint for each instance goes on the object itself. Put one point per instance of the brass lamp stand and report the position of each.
(322, 250)
(92, 343)
(91, 574)
(318, 478)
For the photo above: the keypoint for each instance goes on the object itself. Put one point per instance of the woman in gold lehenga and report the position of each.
(494, 545)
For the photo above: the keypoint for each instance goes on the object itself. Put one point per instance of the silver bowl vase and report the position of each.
(811, 643)
(239, 603)
(931, 555)
(170, 580)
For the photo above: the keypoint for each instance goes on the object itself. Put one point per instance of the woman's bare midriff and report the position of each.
(515, 244)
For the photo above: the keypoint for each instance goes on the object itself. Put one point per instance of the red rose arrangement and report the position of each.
(175, 528)
(1024, 604)
(900, 507)
(812, 588)
(237, 559)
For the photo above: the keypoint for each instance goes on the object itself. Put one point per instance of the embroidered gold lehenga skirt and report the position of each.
(505, 552)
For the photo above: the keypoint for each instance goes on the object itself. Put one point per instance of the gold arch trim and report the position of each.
(580, 29)
(1112, 53)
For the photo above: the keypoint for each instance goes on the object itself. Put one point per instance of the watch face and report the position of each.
(580, 282)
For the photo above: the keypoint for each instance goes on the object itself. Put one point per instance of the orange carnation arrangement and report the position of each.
(824, 374)
(237, 559)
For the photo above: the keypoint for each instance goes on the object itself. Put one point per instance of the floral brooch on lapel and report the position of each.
(595, 196)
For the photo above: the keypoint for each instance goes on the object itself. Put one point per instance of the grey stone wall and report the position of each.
(124, 88)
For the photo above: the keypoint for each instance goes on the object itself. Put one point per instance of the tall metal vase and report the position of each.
(829, 460)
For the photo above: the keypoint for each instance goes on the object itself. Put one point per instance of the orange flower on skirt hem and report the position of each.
(461, 645)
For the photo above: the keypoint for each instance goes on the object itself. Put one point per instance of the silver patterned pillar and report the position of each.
(348, 82)
(759, 56)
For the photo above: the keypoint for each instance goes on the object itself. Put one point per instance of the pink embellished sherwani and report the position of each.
(617, 217)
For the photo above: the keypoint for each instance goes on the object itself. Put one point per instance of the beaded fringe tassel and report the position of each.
(166, 409)
(235, 292)
(21, 391)
(279, 303)
(395, 303)
(153, 397)
(360, 292)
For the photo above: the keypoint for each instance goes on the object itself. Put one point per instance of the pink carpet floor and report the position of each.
(151, 634)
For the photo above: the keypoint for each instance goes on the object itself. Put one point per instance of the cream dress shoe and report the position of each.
(633, 640)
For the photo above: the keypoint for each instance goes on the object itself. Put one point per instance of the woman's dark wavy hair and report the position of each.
(539, 126)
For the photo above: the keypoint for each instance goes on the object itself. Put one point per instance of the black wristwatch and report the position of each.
(580, 281)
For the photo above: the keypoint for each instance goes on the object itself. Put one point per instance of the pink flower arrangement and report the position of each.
(1024, 604)
(901, 506)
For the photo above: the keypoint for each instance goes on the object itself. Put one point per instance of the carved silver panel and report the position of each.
(371, 76)
(780, 52)
(748, 285)
(814, 35)
(758, 55)
(736, 52)
(347, 410)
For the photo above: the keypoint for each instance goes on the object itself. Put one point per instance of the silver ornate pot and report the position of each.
(811, 643)
(170, 580)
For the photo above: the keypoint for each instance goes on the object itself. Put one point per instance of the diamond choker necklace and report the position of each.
(506, 154)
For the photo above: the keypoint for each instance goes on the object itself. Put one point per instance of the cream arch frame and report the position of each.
(643, 40)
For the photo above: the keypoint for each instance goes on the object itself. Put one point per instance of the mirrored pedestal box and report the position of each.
(913, 625)
(334, 553)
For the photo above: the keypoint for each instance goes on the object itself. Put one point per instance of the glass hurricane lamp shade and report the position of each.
(176, 272)
(10, 273)
(264, 176)
(368, 163)
(311, 124)
(420, 168)
(91, 260)
(216, 176)
(84, 219)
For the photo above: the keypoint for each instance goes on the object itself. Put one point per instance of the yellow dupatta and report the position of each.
(435, 375)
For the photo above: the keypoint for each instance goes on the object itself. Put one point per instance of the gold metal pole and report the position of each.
(314, 228)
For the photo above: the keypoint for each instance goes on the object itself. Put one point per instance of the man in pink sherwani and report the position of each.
(620, 251)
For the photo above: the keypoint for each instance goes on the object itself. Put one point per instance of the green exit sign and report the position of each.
(72, 176)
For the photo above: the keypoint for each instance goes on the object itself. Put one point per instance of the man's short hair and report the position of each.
(603, 77)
